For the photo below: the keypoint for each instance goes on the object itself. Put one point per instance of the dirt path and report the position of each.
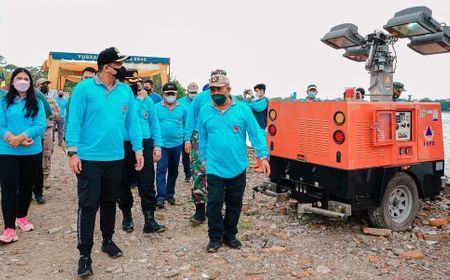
(277, 245)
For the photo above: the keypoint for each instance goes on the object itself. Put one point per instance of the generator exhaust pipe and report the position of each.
(324, 212)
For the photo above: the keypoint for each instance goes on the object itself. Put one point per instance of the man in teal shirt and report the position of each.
(99, 110)
(59, 122)
(223, 127)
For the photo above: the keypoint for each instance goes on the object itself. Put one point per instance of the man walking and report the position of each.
(223, 126)
(100, 109)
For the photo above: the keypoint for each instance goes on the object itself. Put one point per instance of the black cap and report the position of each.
(132, 76)
(110, 55)
(361, 90)
(169, 87)
(260, 86)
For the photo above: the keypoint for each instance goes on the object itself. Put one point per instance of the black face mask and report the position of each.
(44, 89)
(134, 88)
(60, 95)
(120, 73)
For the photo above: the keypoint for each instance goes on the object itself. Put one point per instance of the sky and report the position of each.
(272, 42)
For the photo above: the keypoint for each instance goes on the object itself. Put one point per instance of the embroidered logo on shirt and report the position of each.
(125, 108)
(236, 128)
(180, 120)
(146, 115)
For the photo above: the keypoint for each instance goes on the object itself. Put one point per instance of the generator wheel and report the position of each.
(399, 204)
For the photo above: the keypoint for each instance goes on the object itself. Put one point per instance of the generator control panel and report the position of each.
(403, 126)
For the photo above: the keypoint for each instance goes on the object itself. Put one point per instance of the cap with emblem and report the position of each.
(42, 81)
(110, 55)
(399, 86)
(132, 76)
(192, 87)
(218, 81)
(170, 87)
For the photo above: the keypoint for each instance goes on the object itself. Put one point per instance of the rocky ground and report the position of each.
(277, 244)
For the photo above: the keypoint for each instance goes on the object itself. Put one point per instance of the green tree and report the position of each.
(181, 91)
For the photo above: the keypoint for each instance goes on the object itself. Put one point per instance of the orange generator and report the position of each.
(379, 156)
(339, 157)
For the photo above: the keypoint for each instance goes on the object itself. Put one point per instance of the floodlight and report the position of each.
(413, 21)
(357, 53)
(343, 36)
(432, 43)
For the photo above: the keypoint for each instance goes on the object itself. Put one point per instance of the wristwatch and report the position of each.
(71, 153)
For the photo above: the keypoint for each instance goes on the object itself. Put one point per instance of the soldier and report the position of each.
(398, 89)
(47, 144)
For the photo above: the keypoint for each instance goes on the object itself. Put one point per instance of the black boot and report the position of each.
(199, 216)
(127, 222)
(151, 226)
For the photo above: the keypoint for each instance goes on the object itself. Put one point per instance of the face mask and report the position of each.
(60, 95)
(120, 73)
(44, 89)
(170, 98)
(312, 94)
(134, 89)
(21, 86)
(219, 99)
(192, 95)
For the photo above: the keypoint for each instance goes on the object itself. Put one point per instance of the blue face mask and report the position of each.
(312, 94)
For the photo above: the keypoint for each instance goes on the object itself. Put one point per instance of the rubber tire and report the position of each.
(380, 217)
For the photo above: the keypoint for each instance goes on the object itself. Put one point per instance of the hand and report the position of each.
(75, 164)
(266, 167)
(188, 147)
(14, 141)
(27, 142)
(139, 162)
(156, 155)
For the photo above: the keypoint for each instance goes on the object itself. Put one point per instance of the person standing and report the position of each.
(100, 109)
(172, 118)
(191, 139)
(192, 90)
(399, 87)
(311, 94)
(59, 122)
(47, 144)
(22, 124)
(151, 134)
(259, 104)
(223, 126)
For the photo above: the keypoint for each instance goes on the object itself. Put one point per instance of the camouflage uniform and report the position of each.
(199, 190)
(47, 145)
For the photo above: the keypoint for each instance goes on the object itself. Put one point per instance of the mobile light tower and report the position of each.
(427, 37)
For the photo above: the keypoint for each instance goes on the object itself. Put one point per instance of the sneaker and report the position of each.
(233, 243)
(8, 236)
(24, 224)
(85, 267)
(40, 199)
(109, 247)
(160, 204)
(171, 201)
(213, 246)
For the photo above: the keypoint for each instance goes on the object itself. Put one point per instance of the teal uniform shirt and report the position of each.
(199, 101)
(148, 120)
(41, 97)
(172, 122)
(222, 142)
(97, 120)
(13, 121)
(62, 104)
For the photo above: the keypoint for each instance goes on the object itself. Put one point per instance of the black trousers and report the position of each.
(17, 175)
(230, 191)
(145, 178)
(186, 158)
(38, 184)
(98, 186)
